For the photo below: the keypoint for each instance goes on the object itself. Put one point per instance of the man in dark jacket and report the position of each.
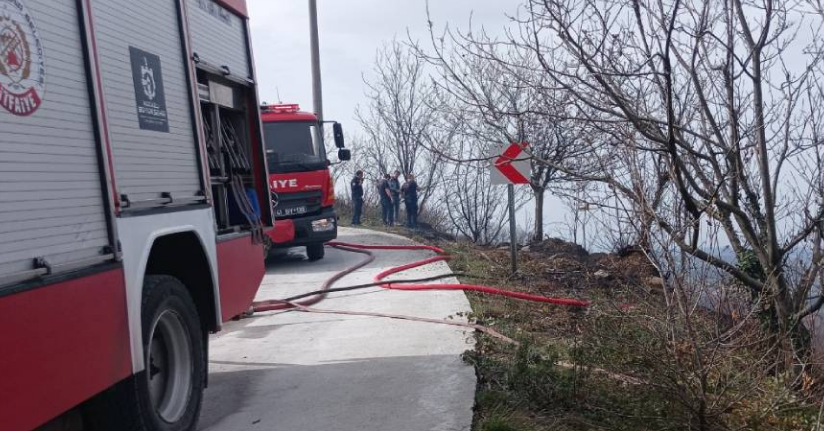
(385, 194)
(357, 197)
(410, 197)
(395, 189)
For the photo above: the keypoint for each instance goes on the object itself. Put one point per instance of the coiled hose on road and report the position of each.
(441, 255)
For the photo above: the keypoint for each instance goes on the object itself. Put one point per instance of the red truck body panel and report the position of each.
(82, 323)
(283, 233)
(241, 266)
(300, 181)
(295, 182)
(236, 6)
(288, 116)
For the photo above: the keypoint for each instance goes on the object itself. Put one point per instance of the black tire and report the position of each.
(315, 251)
(169, 319)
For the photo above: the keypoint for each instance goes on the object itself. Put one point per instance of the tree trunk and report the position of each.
(539, 213)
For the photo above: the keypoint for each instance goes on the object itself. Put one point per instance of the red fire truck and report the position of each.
(132, 174)
(303, 191)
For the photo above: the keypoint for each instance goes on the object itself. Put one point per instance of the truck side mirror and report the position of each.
(338, 131)
(344, 155)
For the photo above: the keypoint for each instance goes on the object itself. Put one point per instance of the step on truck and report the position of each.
(134, 201)
(303, 190)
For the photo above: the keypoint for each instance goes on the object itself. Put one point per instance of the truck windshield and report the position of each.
(293, 146)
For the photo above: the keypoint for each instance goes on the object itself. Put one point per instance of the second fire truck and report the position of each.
(303, 191)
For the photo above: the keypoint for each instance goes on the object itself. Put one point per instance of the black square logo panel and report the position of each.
(148, 91)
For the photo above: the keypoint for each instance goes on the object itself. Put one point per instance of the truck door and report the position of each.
(53, 208)
(151, 113)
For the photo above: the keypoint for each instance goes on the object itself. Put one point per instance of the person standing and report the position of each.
(385, 194)
(357, 197)
(395, 189)
(410, 197)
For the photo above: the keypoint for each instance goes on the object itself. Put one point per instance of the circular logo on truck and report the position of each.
(22, 66)
(147, 80)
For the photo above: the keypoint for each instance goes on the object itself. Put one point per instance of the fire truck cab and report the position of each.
(134, 201)
(303, 190)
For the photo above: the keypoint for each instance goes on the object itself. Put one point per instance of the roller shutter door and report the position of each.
(147, 99)
(51, 199)
(218, 36)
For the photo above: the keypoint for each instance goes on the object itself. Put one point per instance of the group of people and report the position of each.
(391, 192)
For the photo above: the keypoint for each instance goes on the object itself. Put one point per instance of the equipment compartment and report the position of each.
(52, 194)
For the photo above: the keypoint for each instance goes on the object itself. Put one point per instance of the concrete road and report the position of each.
(295, 371)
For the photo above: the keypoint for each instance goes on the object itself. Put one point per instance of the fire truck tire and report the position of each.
(315, 251)
(167, 395)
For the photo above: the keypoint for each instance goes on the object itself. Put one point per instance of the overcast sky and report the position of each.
(350, 33)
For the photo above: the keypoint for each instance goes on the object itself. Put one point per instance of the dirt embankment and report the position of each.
(556, 261)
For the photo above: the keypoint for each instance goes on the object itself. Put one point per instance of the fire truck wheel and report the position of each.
(315, 251)
(167, 395)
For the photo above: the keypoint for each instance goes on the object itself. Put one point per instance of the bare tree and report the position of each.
(476, 209)
(707, 113)
(400, 118)
(698, 114)
(505, 105)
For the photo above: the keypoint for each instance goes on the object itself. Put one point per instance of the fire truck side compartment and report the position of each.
(218, 37)
(152, 167)
(52, 204)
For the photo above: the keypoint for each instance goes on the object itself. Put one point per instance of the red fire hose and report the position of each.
(277, 304)
(273, 305)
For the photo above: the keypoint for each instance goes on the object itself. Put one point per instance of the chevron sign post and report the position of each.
(511, 166)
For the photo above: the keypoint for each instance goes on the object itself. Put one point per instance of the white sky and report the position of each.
(350, 33)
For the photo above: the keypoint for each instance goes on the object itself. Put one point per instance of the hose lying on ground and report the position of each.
(376, 284)
(326, 288)
(317, 296)
(442, 256)
(279, 304)
(485, 329)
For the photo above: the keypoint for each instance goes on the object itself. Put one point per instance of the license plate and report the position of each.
(290, 211)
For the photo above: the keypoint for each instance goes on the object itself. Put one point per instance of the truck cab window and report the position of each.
(293, 146)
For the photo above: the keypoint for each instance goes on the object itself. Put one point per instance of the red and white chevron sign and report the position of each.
(508, 169)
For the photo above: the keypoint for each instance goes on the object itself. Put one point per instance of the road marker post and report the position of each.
(507, 168)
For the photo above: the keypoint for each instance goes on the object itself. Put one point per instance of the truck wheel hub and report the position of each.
(170, 367)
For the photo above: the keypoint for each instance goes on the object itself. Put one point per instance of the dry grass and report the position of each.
(606, 368)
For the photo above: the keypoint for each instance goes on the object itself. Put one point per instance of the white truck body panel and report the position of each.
(147, 161)
(137, 235)
(218, 37)
(52, 204)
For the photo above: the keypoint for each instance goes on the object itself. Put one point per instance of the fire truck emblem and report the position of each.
(22, 66)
